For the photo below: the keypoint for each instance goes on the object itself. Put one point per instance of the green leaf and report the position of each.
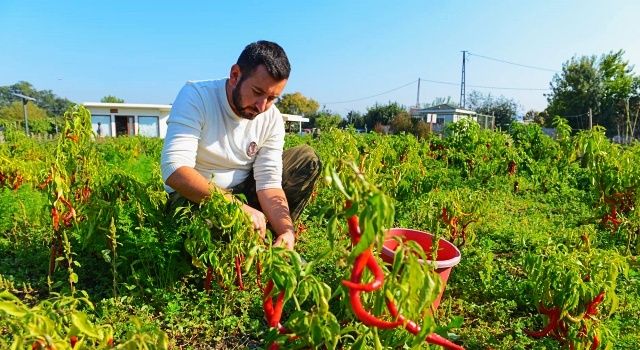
(79, 320)
(13, 309)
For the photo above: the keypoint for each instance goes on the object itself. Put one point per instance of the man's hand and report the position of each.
(287, 239)
(258, 219)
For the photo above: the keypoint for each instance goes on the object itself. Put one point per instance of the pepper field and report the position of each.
(548, 231)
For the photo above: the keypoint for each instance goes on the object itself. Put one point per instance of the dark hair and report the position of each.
(267, 53)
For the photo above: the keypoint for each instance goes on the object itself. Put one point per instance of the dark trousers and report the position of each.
(301, 168)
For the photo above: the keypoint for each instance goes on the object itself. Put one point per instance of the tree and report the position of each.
(502, 108)
(111, 99)
(39, 121)
(422, 129)
(324, 121)
(297, 103)
(46, 99)
(356, 119)
(602, 86)
(382, 114)
(402, 123)
(442, 101)
(15, 112)
(540, 118)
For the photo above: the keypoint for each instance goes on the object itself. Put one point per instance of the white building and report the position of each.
(441, 115)
(118, 119)
(292, 118)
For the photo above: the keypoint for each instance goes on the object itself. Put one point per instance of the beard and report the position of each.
(248, 112)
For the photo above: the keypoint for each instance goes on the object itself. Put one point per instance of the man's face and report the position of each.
(254, 93)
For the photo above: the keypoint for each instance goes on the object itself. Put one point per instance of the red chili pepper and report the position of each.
(239, 273)
(596, 342)
(73, 340)
(354, 229)
(208, 279)
(55, 218)
(512, 167)
(554, 317)
(37, 345)
(592, 306)
(272, 313)
(365, 317)
(46, 182)
(17, 182)
(365, 259)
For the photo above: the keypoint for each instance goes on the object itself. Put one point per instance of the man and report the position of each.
(229, 134)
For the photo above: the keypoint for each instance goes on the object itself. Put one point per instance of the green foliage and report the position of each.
(356, 119)
(297, 103)
(402, 123)
(519, 228)
(382, 114)
(45, 99)
(111, 99)
(502, 108)
(600, 85)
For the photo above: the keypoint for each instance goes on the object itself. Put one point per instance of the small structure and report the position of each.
(443, 114)
(292, 118)
(117, 119)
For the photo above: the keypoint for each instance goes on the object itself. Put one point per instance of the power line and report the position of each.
(484, 86)
(513, 63)
(435, 82)
(376, 95)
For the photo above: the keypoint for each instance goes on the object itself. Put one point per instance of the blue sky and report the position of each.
(143, 51)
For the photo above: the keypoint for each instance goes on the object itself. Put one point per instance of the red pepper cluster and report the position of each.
(454, 226)
(512, 168)
(14, 181)
(366, 259)
(238, 261)
(557, 328)
(619, 202)
(273, 313)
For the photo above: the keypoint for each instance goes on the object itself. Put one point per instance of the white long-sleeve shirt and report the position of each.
(205, 134)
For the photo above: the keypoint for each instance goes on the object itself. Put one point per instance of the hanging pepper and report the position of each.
(208, 279)
(366, 259)
(238, 261)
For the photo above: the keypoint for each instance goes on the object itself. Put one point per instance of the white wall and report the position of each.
(162, 115)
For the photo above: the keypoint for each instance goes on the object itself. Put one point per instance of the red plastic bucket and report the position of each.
(448, 255)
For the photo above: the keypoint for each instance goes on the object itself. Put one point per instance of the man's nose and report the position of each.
(261, 104)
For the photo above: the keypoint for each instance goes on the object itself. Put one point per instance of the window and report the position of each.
(148, 126)
(101, 125)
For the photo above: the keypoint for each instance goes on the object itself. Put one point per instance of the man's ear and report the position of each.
(234, 75)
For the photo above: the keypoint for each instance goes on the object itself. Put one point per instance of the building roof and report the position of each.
(294, 118)
(286, 117)
(445, 108)
(127, 105)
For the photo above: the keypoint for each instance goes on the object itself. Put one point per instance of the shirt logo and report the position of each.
(252, 149)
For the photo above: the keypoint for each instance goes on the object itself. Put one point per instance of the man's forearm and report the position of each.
(276, 209)
(190, 184)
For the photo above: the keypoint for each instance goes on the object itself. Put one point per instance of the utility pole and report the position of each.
(418, 98)
(462, 83)
(25, 100)
(590, 119)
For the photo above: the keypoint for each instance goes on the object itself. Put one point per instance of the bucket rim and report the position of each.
(440, 264)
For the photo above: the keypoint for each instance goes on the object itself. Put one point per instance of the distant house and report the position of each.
(441, 115)
(292, 119)
(122, 119)
(118, 119)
